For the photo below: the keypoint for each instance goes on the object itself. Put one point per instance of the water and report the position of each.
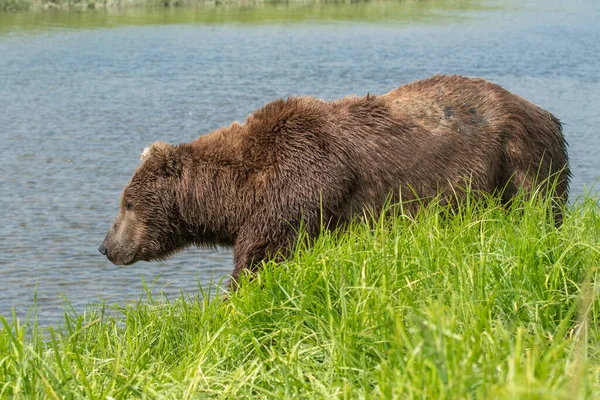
(82, 94)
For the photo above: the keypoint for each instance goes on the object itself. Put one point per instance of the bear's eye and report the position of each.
(128, 206)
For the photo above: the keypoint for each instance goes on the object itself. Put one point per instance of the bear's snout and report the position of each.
(117, 252)
(102, 248)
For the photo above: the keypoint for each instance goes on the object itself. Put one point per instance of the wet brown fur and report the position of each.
(249, 186)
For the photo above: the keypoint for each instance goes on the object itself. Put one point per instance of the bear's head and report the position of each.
(148, 225)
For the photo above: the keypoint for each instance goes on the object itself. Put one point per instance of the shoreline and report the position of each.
(8, 6)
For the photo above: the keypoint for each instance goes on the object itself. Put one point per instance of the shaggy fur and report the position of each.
(249, 186)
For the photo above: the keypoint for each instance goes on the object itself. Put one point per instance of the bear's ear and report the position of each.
(165, 157)
(145, 154)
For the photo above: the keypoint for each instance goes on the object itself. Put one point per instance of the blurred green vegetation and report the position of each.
(106, 13)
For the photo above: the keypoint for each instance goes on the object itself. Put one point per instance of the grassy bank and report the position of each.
(261, 10)
(485, 304)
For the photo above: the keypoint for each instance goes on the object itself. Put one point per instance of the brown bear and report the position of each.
(305, 161)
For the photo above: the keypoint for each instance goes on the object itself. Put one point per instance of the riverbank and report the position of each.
(485, 304)
(82, 5)
(411, 8)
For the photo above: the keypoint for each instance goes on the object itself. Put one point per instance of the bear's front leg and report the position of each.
(250, 251)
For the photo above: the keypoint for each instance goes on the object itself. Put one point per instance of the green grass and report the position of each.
(483, 304)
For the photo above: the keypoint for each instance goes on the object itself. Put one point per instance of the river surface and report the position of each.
(81, 95)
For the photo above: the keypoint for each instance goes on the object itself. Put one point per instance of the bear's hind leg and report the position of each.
(534, 179)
